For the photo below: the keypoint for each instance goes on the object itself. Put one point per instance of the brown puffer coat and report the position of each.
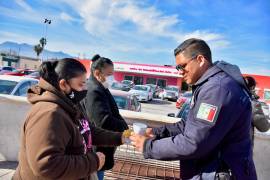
(51, 143)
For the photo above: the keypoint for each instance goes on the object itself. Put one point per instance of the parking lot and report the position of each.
(158, 106)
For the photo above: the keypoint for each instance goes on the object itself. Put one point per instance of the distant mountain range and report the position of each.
(28, 50)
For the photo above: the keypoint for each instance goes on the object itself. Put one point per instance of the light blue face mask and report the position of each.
(108, 82)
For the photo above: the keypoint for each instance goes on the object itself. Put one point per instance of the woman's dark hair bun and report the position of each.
(47, 72)
(54, 71)
(47, 68)
(95, 57)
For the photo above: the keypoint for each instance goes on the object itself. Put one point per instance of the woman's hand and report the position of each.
(138, 141)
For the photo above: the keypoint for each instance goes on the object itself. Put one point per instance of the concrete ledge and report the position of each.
(13, 111)
(12, 114)
(152, 120)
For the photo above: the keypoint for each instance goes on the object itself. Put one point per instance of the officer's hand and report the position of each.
(138, 141)
(101, 158)
(149, 132)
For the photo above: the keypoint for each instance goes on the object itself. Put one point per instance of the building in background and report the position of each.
(147, 74)
(19, 62)
(168, 75)
(29, 63)
(143, 73)
(9, 60)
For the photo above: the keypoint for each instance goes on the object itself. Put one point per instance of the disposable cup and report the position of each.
(139, 128)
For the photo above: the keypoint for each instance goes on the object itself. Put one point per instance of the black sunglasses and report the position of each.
(182, 67)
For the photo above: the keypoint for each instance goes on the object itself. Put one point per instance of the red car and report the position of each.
(22, 72)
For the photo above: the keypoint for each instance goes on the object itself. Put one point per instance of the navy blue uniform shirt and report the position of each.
(218, 123)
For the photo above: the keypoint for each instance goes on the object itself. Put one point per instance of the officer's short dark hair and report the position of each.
(193, 47)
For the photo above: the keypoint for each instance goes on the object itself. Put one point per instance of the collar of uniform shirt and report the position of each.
(209, 72)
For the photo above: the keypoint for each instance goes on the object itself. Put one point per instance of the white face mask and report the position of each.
(108, 82)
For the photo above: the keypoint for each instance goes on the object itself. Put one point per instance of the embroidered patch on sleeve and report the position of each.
(207, 112)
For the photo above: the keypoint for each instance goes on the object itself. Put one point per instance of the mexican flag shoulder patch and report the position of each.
(207, 112)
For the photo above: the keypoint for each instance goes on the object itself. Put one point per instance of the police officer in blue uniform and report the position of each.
(214, 142)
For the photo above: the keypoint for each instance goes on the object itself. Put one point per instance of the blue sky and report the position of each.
(144, 31)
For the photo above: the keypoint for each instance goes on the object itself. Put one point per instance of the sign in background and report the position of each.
(146, 69)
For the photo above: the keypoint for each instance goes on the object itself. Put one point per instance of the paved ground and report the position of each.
(158, 106)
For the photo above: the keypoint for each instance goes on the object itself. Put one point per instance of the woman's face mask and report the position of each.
(105, 77)
(76, 96)
(108, 81)
(78, 89)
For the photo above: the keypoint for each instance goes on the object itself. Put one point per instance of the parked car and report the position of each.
(142, 92)
(186, 96)
(126, 100)
(119, 86)
(265, 108)
(15, 85)
(183, 111)
(128, 83)
(21, 72)
(155, 88)
(6, 69)
(170, 93)
(34, 75)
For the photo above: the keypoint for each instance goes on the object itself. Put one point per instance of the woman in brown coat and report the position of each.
(56, 139)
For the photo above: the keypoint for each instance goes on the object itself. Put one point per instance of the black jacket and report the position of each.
(259, 120)
(103, 112)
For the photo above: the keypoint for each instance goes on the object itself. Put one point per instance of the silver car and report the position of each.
(6, 69)
(170, 93)
(265, 108)
(142, 92)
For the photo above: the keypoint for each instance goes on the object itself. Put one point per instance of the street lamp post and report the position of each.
(46, 22)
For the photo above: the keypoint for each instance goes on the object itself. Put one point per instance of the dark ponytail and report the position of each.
(54, 71)
(95, 58)
(47, 72)
(250, 82)
(99, 63)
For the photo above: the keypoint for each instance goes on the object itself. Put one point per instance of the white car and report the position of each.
(142, 92)
(152, 88)
(15, 85)
(170, 93)
(265, 108)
